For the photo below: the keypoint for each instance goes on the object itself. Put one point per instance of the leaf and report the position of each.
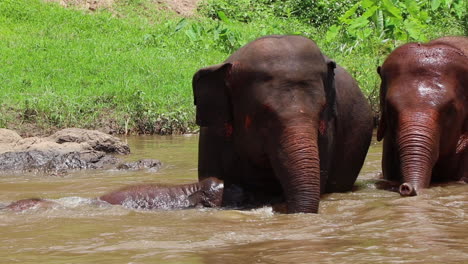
(215, 35)
(424, 16)
(415, 29)
(379, 23)
(435, 4)
(391, 9)
(182, 23)
(358, 23)
(332, 33)
(370, 12)
(400, 35)
(223, 17)
(368, 3)
(191, 34)
(345, 17)
(448, 3)
(412, 7)
(460, 9)
(365, 33)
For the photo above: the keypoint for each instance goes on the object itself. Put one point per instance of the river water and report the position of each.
(368, 225)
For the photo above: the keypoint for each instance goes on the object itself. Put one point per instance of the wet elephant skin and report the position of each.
(424, 106)
(206, 193)
(279, 120)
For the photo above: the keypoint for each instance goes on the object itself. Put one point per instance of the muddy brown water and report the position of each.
(368, 225)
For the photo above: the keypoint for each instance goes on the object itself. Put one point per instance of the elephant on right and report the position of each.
(424, 113)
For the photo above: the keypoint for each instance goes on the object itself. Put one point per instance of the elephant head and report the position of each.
(424, 110)
(273, 99)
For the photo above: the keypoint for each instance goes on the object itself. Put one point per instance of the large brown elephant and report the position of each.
(279, 119)
(424, 106)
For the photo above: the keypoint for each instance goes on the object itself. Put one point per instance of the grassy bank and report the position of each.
(128, 68)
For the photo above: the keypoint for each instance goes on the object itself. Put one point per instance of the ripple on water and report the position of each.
(368, 225)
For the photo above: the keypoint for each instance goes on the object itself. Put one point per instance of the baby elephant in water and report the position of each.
(206, 193)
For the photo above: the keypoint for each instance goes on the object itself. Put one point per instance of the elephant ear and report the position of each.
(210, 95)
(381, 127)
(330, 91)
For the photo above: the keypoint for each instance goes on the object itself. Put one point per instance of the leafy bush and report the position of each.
(397, 20)
(318, 13)
(216, 36)
(239, 10)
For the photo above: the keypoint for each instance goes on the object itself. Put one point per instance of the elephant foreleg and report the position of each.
(215, 153)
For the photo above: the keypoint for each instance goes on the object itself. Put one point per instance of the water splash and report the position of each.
(74, 201)
(163, 202)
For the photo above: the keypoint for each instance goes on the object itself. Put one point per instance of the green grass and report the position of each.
(63, 67)
(129, 68)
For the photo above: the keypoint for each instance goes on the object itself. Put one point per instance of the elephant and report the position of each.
(280, 120)
(24, 204)
(206, 193)
(424, 114)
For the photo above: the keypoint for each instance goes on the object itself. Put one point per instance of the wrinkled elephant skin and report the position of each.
(424, 106)
(279, 120)
(207, 193)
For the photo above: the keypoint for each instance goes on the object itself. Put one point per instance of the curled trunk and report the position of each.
(418, 150)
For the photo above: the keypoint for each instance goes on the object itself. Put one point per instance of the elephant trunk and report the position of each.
(297, 165)
(418, 149)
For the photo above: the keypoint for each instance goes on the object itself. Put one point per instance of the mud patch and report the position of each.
(84, 4)
(182, 7)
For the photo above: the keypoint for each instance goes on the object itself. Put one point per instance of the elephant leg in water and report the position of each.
(206, 193)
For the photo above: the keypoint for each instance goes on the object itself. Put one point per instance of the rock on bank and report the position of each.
(70, 148)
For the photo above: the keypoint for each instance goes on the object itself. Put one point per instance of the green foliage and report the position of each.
(320, 13)
(317, 13)
(216, 36)
(63, 67)
(239, 10)
(146, 116)
(129, 67)
(395, 19)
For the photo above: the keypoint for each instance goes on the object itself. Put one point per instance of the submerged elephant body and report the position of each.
(424, 106)
(279, 119)
(206, 193)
